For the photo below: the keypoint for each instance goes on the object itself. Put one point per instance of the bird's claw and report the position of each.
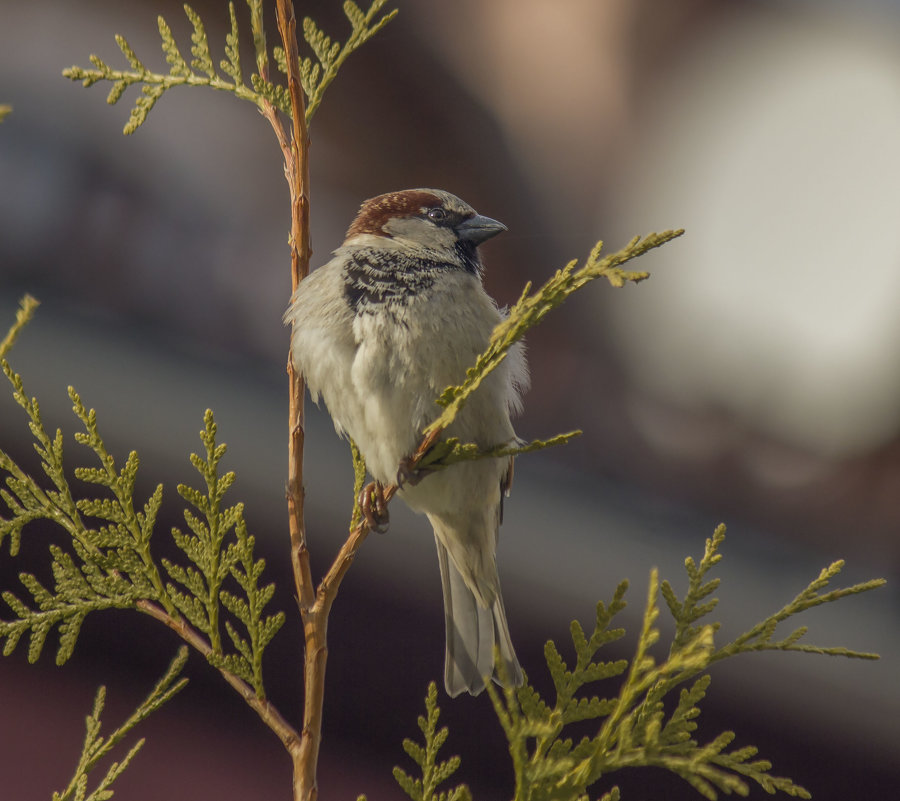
(374, 507)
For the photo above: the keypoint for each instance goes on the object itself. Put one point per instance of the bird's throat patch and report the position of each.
(376, 279)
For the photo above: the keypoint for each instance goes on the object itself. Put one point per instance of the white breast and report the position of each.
(380, 372)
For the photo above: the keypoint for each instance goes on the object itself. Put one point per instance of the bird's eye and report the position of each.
(437, 215)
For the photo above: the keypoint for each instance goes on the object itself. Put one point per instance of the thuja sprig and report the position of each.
(111, 564)
(452, 450)
(532, 307)
(330, 56)
(201, 68)
(200, 71)
(211, 563)
(97, 747)
(434, 772)
(112, 568)
(121, 547)
(27, 307)
(760, 637)
(359, 480)
(634, 726)
(697, 602)
(528, 311)
(249, 610)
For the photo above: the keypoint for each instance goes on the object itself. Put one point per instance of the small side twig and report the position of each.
(27, 307)
(266, 711)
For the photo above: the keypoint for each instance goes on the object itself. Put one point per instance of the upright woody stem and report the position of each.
(305, 754)
(315, 602)
(296, 170)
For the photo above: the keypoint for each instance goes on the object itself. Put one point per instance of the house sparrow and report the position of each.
(379, 332)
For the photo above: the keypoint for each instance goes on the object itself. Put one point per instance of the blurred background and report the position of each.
(754, 379)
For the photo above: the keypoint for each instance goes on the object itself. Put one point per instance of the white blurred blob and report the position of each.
(778, 148)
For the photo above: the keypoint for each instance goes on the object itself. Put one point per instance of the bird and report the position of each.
(378, 332)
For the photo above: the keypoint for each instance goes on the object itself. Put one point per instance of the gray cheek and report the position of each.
(421, 232)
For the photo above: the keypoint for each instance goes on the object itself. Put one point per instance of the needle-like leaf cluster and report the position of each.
(213, 561)
(529, 311)
(106, 559)
(201, 68)
(643, 724)
(452, 450)
(316, 74)
(434, 772)
(97, 747)
(27, 307)
(111, 566)
(533, 307)
(213, 596)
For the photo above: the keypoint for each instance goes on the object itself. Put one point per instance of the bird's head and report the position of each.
(430, 220)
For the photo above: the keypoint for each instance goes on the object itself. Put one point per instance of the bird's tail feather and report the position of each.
(472, 631)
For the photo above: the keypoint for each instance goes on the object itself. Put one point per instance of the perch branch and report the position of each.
(304, 754)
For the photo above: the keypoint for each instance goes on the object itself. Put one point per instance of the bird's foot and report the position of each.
(374, 507)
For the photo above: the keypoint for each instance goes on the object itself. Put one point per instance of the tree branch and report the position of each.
(266, 711)
(296, 169)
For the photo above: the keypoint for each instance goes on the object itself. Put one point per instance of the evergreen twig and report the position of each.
(113, 566)
(640, 726)
(213, 562)
(359, 480)
(532, 307)
(529, 311)
(434, 772)
(204, 546)
(96, 747)
(201, 69)
(27, 307)
(316, 78)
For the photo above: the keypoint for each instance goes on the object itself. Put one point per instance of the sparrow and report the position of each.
(396, 316)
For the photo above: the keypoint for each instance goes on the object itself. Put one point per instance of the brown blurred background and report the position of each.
(754, 379)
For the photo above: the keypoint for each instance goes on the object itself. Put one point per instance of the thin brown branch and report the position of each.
(299, 177)
(296, 169)
(294, 154)
(315, 603)
(267, 713)
(328, 587)
(330, 583)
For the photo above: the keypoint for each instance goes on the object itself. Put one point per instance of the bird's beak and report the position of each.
(478, 229)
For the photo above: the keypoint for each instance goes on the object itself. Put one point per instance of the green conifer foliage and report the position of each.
(641, 711)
